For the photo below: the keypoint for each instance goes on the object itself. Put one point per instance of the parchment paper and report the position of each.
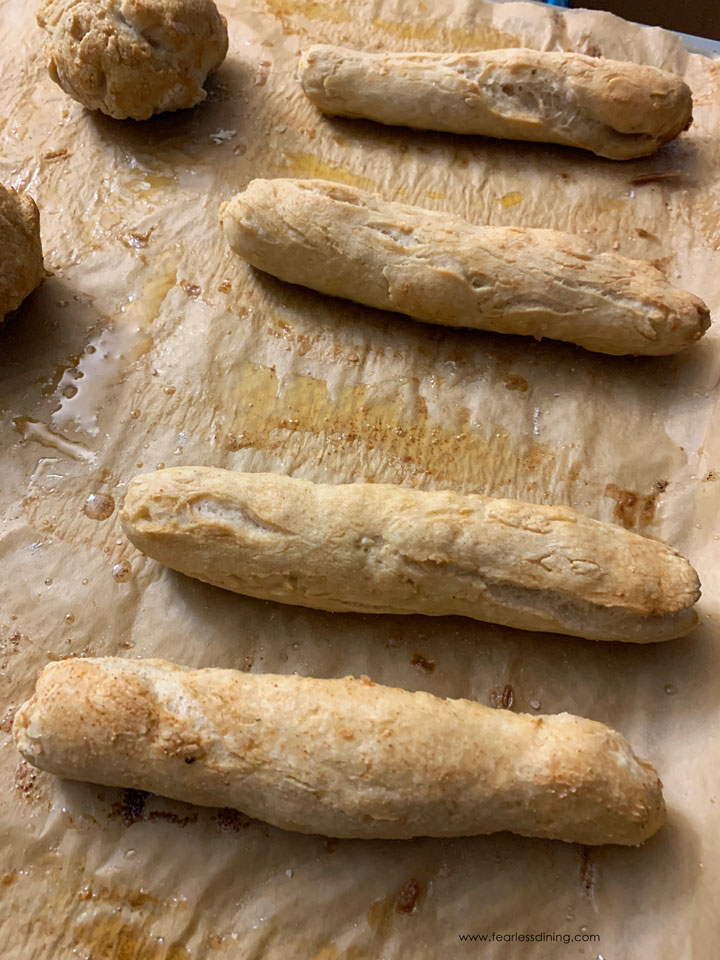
(150, 343)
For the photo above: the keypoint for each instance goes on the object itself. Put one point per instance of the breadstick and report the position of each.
(615, 109)
(381, 548)
(344, 758)
(438, 268)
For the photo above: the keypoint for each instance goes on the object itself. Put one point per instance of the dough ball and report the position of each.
(21, 265)
(134, 58)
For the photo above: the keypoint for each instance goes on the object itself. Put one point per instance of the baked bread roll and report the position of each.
(438, 268)
(21, 262)
(616, 109)
(133, 58)
(381, 548)
(344, 758)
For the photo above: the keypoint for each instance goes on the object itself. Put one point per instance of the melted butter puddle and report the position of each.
(30, 429)
(83, 386)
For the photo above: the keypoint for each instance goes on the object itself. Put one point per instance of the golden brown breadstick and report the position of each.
(381, 548)
(438, 268)
(345, 758)
(616, 109)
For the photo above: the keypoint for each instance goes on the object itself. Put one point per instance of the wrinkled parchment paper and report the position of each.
(151, 344)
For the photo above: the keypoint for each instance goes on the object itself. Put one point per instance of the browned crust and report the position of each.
(344, 758)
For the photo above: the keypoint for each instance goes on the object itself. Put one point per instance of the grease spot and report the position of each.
(99, 506)
(191, 290)
(130, 808)
(122, 571)
(409, 896)
(510, 199)
(501, 698)
(588, 873)
(137, 241)
(632, 509)
(425, 663)
(308, 165)
(115, 938)
(516, 382)
(26, 781)
(229, 819)
(405, 901)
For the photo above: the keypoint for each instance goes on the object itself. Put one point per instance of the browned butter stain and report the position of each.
(380, 916)
(437, 33)
(228, 819)
(254, 411)
(632, 509)
(516, 382)
(137, 241)
(403, 901)
(482, 37)
(191, 290)
(310, 166)
(56, 154)
(125, 896)
(27, 782)
(359, 417)
(310, 9)
(408, 897)
(425, 663)
(130, 808)
(501, 698)
(114, 937)
(97, 922)
(655, 176)
(587, 872)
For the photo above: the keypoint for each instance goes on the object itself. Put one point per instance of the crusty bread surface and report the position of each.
(344, 758)
(438, 268)
(383, 548)
(616, 109)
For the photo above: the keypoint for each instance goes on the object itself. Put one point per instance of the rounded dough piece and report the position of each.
(21, 265)
(134, 58)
